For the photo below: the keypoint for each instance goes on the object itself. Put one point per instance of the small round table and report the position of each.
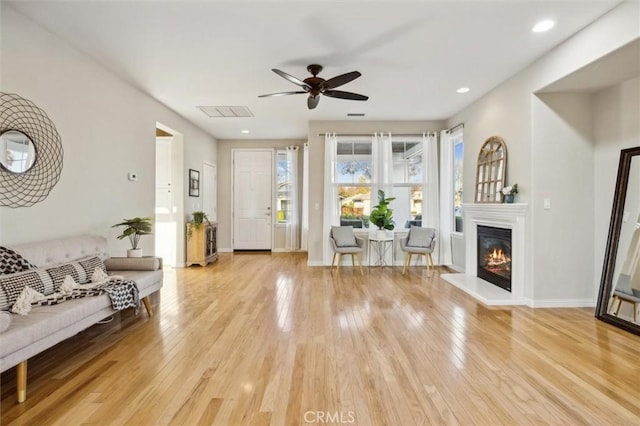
(381, 245)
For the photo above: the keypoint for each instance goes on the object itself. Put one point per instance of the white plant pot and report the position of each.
(382, 233)
(134, 252)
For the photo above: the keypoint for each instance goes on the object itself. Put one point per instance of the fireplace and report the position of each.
(494, 255)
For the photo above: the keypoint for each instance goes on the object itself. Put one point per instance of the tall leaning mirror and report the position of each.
(619, 296)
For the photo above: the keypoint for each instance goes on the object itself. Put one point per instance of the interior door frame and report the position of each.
(233, 194)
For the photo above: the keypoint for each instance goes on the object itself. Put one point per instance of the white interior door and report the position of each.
(210, 191)
(165, 227)
(252, 197)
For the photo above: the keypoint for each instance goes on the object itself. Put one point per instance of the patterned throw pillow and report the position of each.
(58, 273)
(12, 262)
(91, 264)
(12, 285)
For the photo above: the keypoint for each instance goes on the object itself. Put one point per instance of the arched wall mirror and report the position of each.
(17, 151)
(492, 165)
(619, 296)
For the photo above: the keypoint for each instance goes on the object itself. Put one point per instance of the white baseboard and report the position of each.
(455, 268)
(563, 303)
(315, 263)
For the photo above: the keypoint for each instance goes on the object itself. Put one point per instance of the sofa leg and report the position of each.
(21, 380)
(147, 305)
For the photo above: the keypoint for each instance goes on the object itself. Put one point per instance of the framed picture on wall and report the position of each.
(194, 183)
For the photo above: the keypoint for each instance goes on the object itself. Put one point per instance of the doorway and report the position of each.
(169, 217)
(252, 199)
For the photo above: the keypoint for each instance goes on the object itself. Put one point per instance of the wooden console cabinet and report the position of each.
(202, 244)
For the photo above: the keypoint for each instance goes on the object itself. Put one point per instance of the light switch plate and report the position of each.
(547, 203)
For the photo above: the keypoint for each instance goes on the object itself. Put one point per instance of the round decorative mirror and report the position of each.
(17, 151)
(31, 152)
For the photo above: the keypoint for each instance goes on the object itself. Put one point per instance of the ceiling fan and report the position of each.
(316, 86)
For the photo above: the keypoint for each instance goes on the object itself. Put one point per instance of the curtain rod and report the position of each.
(455, 127)
(371, 134)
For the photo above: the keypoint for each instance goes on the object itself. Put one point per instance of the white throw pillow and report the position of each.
(343, 236)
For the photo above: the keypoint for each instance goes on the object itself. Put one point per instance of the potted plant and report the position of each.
(198, 218)
(509, 193)
(134, 229)
(381, 215)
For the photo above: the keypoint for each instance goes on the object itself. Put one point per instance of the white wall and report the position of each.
(316, 166)
(107, 129)
(563, 172)
(510, 111)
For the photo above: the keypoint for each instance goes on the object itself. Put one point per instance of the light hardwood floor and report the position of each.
(263, 339)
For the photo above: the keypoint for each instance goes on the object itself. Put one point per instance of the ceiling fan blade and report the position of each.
(299, 92)
(312, 101)
(345, 95)
(292, 79)
(338, 81)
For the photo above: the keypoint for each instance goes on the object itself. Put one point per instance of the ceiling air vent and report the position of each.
(226, 111)
(355, 114)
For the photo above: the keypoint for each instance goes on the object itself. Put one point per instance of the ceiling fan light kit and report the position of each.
(316, 86)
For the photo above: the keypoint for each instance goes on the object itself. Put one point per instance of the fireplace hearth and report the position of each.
(494, 255)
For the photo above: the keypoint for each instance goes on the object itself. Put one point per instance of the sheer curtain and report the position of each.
(382, 167)
(293, 223)
(330, 203)
(431, 209)
(304, 234)
(446, 199)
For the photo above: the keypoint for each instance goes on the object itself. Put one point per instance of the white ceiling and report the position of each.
(412, 55)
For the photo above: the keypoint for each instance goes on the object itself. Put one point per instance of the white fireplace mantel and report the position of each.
(508, 216)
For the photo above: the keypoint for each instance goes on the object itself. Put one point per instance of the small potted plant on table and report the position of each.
(134, 229)
(198, 218)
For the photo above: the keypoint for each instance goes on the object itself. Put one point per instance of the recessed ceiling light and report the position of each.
(245, 131)
(543, 26)
(463, 90)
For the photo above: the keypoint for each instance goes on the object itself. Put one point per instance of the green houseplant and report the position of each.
(198, 218)
(381, 215)
(134, 229)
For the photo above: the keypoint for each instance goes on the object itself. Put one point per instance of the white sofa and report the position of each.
(45, 326)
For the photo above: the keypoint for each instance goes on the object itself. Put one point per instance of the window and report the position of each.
(405, 167)
(399, 173)
(283, 187)
(407, 181)
(458, 157)
(352, 179)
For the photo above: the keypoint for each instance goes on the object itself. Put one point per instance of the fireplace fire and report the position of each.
(494, 255)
